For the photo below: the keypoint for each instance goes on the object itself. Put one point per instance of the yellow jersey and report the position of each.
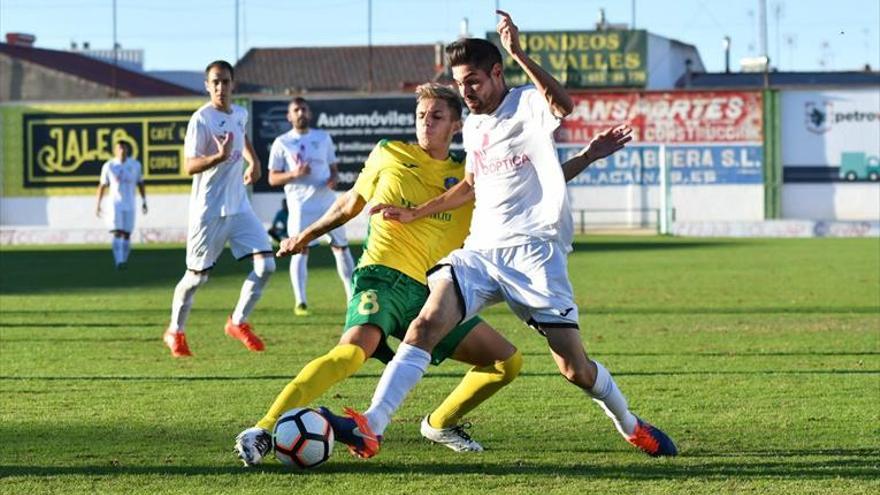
(403, 174)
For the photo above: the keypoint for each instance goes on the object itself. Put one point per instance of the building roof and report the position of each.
(338, 68)
(94, 70)
(776, 79)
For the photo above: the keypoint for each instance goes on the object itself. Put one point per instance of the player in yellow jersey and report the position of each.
(389, 284)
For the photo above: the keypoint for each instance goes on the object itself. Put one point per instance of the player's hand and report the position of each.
(332, 181)
(301, 171)
(395, 213)
(224, 145)
(144, 207)
(509, 34)
(98, 211)
(252, 174)
(292, 245)
(607, 142)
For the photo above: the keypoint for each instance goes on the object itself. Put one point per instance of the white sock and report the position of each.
(344, 267)
(252, 289)
(184, 295)
(298, 276)
(400, 376)
(126, 249)
(117, 250)
(611, 399)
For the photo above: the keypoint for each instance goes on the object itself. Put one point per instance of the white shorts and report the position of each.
(121, 219)
(298, 218)
(207, 238)
(532, 278)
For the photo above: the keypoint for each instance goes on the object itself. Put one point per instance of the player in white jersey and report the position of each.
(216, 147)
(121, 174)
(519, 238)
(303, 160)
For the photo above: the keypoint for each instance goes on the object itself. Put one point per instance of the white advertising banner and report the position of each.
(831, 135)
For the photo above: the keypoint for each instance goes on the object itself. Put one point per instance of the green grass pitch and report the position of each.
(761, 358)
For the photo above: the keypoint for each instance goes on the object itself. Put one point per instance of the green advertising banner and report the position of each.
(582, 59)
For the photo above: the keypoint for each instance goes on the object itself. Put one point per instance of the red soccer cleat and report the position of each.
(176, 341)
(651, 440)
(245, 334)
(354, 431)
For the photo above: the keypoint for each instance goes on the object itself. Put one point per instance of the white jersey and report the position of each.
(313, 148)
(122, 178)
(218, 191)
(518, 182)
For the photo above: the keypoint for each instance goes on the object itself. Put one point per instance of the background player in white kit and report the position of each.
(303, 160)
(521, 233)
(219, 210)
(121, 174)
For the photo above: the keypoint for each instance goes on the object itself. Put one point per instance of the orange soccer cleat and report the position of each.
(176, 341)
(651, 440)
(354, 431)
(245, 334)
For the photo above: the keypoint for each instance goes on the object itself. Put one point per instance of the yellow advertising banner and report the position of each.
(59, 148)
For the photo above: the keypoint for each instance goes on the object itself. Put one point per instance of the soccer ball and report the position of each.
(302, 438)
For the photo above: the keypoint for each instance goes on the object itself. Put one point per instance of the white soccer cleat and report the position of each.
(453, 437)
(252, 445)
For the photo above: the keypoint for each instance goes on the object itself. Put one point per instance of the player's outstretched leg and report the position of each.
(252, 445)
(481, 382)
(354, 431)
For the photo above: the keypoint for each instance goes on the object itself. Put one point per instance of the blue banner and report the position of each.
(689, 165)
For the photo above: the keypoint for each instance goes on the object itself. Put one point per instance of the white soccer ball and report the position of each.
(302, 438)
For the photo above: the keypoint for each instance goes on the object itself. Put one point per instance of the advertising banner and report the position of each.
(710, 137)
(582, 59)
(355, 124)
(60, 148)
(830, 136)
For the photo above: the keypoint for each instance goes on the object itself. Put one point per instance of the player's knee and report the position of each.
(582, 376)
(264, 267)
(511, 367)
(195, 279)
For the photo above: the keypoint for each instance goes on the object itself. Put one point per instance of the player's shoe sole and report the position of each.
(253, 445)
(652, 441)
(354, 431)
(176, 341)
(244, 332)
(454, 437)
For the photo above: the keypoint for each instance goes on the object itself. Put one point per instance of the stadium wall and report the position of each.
(712, 141)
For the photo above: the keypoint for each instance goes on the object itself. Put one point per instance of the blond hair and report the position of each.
(435, 91)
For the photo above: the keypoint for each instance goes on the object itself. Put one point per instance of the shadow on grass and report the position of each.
(88, 268)
(651, 244)
(860, 464)
(428, 377)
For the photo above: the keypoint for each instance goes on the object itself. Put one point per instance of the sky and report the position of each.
(802, 35)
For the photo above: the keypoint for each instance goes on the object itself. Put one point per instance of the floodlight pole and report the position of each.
(236, 32)
(115, 53)
(370, 46)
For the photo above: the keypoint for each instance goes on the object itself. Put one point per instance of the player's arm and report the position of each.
(602, 145)
(200, 163)
(142, 188)
(346, 207)
(334, 175)
(99, 195)
(254, 170)
(457, 195)
(560, 103)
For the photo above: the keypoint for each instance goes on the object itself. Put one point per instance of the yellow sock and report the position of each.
(477, 385)
(314, 379)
